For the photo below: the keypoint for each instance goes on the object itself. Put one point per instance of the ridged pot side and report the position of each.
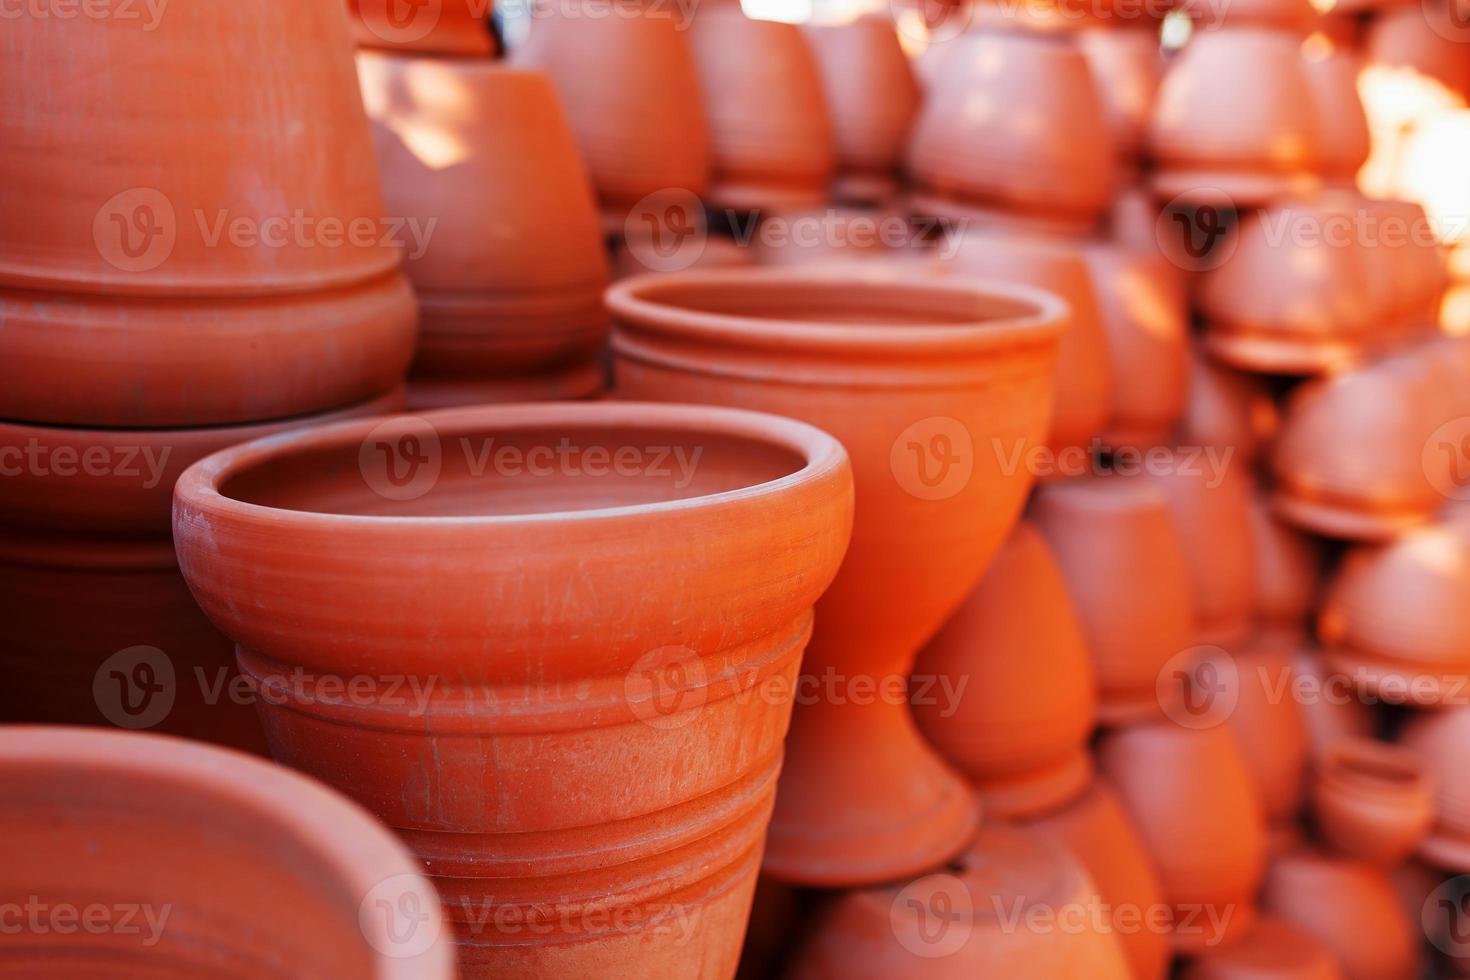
(578, 748)
(925, 384)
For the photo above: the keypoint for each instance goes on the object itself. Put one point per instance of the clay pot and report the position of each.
(1350, 908)
(1019, 729)
(1125, 569)
(1144, 310)
(1095, 829)
(510, 281)
(573, 382)
(1192, 798)
(1421, 41)
(1021, 148)
(820, 236)
(458, 27)
(1342, 123)
(1412, 262)
(631, 92)
(1288, 569)
(913, 377)
(959, 922)
(873, 98)
(1210, 501)
(1227, 410)
(186, 257)
(770, 136)
(1274, 949)
(1333, 708)
(1439, 739)
(1297, 294)
(1392, 617)
(1133, 222)
(634, 258)
(103, 629)
(1372, 800)
(128, 826)
(1084, 379)
(1126, 69)
(1234, 113)
(1294, 16)
(600, 773)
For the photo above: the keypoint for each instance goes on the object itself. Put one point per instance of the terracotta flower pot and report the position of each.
(1372, 800)
(873, 98)
(458, 27)
(1393, 617)
(112, 836)
(1335, 709)
(914, 377)
(1274, 949)
(770, 136)
(1144, 310)
(1227, 410)
(192, 254)
(1125, 569)
(1191, 796)
(1211, 505)
(103, 629)
(1020, 148)
(1095, 829)
(1439, 739)
(960, 922)
(1127, 68)
(631, 93)
(1288, 569)
(1350, 908)
(1234, 114)
(610, 771)
(1029, 701)
(510, 281)
(1342, 124)
(1084, 377)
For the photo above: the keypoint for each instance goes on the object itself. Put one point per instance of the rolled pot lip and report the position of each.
(628, 301)
(199, 486)
(361, 854)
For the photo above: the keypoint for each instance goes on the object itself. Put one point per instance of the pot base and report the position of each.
(1235, 189)
(1395, 682)
(977, 216)
(1444, 851)
(1041, 792)
(867, 190)
(1265, 352)
(580, 382)
(742, 196)
(1343, 523)
(1200, 935)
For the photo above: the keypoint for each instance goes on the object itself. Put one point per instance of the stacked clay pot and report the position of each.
(510, 278)
(1228, 411)
(1288, 570)
(771, 140)
(1331, 71)
(177, 849)
(592, 799)
(182, 267)
(1274, 949)
(872, 97)
(1017, 656)
(1127, 68)
(457, 27)
(915, 376)
(1372, 800)
(1437, 738)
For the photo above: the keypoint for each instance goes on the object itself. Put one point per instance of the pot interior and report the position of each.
(478, 472)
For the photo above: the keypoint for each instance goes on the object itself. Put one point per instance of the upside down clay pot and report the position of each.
(1227, 410)
(1335, 709)
(1095, 829)
(1018, 148)
(178, 849)
(1274, 949)
(1126, 572)
(457, 27)
(592, 798)
(631, 92)
(1126, 69)
(1084, 376)
(1372, 800)
(1012, 907)
(1394, 617)
(193, 254)
(1192, 798)
(510, 281)
(1342, 125)
(1019, 725)
(873, 97)
(103, 628)
(914, 377)
(1350, 907)
(770, 137)
(1288, 569)
(1439, 739)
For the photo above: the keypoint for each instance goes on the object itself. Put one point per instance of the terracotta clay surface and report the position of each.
(456, 27)
(1274, 949)
(1372, 800)
(1438, 739)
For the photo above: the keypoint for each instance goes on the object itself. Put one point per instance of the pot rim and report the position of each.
(1046, 317)
(198, 489)
(362, 855)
